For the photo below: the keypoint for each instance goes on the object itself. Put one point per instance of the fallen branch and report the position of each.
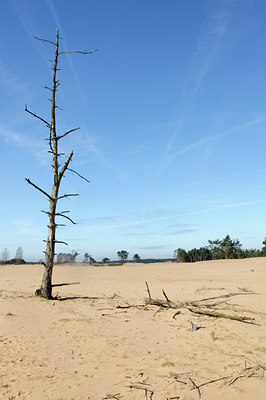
(246, 320)
(142, 388)
(196, 387)
(116, 396)
(213, 381)
(175, 314)
(246, 373)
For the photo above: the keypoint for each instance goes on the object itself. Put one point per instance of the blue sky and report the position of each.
(172, 111)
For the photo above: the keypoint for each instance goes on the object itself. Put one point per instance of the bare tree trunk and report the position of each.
(46, 287)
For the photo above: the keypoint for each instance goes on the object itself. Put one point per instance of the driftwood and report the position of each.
(166, 304)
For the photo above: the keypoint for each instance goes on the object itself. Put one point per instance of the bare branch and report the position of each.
(44, 40)
(67, 195)
(64, 216)
(165, 295)
(66, 133)
(78, 52)
(47, 87)
(61, 173)
(60, 215)
(195, 386)
(59, 241)
(75, 172)
(37, 116)
(148, 290)
(38, 188)
(45, 212)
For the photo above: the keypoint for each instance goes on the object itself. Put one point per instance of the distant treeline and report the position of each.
(219, 250)
(18, 259)
(13, 261)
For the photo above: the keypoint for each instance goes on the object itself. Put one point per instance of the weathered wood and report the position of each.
(246, 320)
(196, 387)
(148, 290)
(46, 286)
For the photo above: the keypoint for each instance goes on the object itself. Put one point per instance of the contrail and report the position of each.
(213, 28)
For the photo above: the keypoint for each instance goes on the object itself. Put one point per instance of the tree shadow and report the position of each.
(59, 298)
(77, 298)
(66, 284)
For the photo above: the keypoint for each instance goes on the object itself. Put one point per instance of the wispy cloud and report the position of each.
(141, 149)
(100, 220)
(165, 232)
(211, 138)
(89, 145)
(148, 221)
(27, 24)
(214, 137)
(90, 141)
(26, 228)
(52, 9)
(13, 84)
(183, 231)
(156, 247)
(251, 172)
(212, 30)
(18, 139)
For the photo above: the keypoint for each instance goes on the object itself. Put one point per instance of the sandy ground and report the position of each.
(83, 347)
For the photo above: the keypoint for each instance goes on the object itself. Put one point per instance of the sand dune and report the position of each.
(83, 347)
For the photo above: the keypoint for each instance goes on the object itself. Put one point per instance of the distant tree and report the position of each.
(67, 257)
(136, 258)
(215, 249)
(92, 260)
(19, 255)
(105, 260)
(5, 255)
(226, 247)
(86, 258)
(74, 255)
(230, 248)
(247, 253)
(60, 258)
(263, 250)
(180, 255)
(204, 254)
(123, 255)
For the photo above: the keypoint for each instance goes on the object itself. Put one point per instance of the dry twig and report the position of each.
(196, 387)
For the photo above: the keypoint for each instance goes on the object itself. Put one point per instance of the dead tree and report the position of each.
(46, 287)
